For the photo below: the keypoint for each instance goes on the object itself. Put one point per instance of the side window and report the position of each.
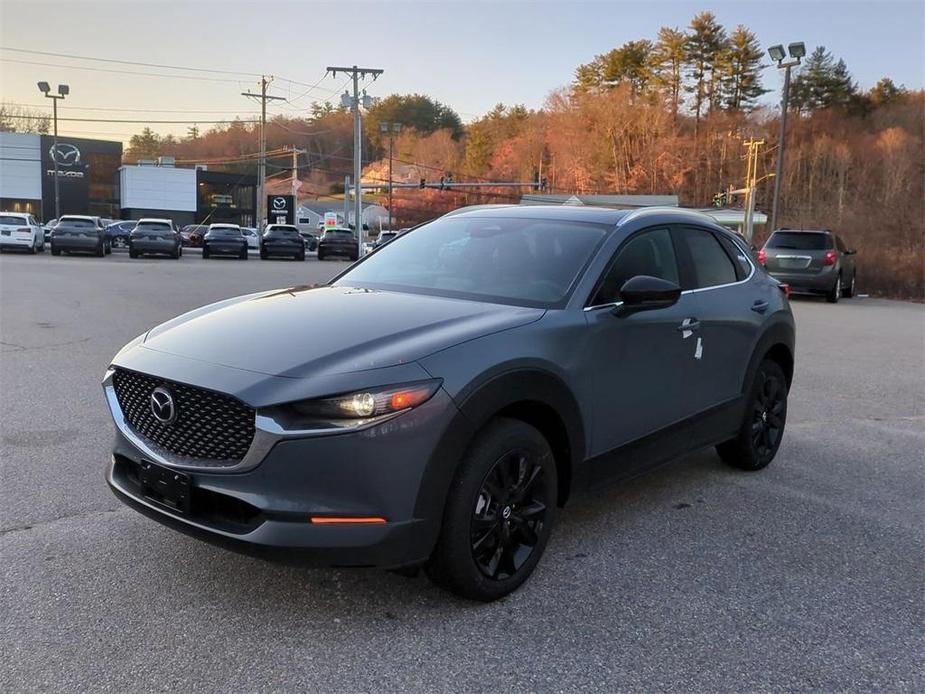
(743, 268)
(711, 265)
(648, 253)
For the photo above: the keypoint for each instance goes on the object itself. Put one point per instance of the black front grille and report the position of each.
(208, 425)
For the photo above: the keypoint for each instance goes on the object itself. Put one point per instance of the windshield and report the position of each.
(161, 227)
(78, 222)
(800, 240)
(523, 261)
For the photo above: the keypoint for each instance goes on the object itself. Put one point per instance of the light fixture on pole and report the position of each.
(63, 91)
(797, 52)
(390, 129)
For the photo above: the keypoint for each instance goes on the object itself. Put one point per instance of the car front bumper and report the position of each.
(266, 506)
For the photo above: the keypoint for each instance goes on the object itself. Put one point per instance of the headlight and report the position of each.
(351, 410)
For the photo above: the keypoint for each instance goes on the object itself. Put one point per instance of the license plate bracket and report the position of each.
(165, 486)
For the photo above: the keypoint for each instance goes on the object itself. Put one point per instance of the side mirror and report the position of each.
(850, 251)
(646, 293)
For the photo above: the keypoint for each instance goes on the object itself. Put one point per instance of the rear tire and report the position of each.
(243, 255)
(763, 422)
(849, 291)
(33, 249)
(835, 294)
(499, 513)
(100, 251)
(132, 253)
(301, 256)
(263, 254)
(205, 252)
(320, 255)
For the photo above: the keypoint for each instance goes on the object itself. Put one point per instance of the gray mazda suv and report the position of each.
(437, 402)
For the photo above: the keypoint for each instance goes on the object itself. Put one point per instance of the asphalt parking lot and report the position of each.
(807, 576)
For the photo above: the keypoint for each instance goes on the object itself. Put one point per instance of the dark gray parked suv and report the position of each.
(437, 402)
(811, 262)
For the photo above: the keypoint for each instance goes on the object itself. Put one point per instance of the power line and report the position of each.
(127, 62)
(132, 110)
(120, 72)
(123, 120)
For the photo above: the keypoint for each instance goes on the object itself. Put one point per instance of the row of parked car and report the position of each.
(160, 236)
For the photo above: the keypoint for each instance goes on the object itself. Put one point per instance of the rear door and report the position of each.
(731, 308)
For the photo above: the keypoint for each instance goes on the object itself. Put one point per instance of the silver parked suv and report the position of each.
(811, 262)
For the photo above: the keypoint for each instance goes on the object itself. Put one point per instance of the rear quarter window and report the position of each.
(712, 266)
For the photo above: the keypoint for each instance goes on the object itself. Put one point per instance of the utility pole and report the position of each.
(390, 129)
(346, 202)
(751, 181)
(357, 73)
(262, 164)
(295, 176)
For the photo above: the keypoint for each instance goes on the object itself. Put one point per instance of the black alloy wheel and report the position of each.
(509, 515)
(763, 425)
(499, 512)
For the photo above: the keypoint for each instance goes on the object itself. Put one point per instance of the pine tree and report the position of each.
(741, 84)
(822, 83)
(705, 47)
(668, 58)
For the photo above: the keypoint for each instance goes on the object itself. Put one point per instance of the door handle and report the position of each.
(760, 306)
(689, 325)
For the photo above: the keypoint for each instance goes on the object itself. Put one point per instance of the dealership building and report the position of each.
(93, 181)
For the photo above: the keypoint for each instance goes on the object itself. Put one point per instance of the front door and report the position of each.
(641, 365)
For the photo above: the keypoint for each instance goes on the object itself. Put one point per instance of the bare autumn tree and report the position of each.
(21, 119)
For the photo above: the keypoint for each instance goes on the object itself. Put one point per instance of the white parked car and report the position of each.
(252, 236)
(20, 230)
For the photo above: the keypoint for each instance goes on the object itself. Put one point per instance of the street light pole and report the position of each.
(797, 51)
(63, 91)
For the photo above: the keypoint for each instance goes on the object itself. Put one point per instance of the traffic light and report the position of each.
(719, 200)
(423, 183)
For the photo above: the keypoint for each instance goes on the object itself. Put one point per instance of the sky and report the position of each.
(468, 55)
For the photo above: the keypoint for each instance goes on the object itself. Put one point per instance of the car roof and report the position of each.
(15, 214)
(155, 219)
(224, 226)
(805, 231)
(589, 213)
(78, 216)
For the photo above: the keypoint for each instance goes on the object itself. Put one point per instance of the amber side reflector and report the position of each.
(322, 520)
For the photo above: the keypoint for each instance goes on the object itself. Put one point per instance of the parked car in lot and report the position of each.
(224, 239)
(338, 242)
(811, 262)
(119, 232)
(192, 234)
(383, 238)
(282, 240)
(420, 411)
(76, 233)
(20, 230)
(310, 239)
(252, 236)
(155, 237)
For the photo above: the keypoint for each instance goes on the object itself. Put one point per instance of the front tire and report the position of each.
(499, 513)
(320, 255)
(205, 253)
(763, 424)
(132, 253)
(55, 251)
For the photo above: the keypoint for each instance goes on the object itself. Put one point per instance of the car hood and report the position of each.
(304, 331)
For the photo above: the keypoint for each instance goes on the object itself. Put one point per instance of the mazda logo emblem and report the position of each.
(64, 154)
(279, 203)
(162, 406)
